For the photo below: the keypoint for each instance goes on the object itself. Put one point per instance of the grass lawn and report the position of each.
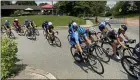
(39, 19)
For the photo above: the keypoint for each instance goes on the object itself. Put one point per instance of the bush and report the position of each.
(108, 14)
(8, 57)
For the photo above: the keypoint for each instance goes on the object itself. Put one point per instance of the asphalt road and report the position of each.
(58, 61)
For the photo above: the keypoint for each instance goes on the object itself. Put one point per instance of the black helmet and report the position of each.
(123, 27)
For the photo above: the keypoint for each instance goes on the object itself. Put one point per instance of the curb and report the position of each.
(40, 72)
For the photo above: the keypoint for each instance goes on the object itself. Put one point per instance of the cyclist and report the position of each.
(17, 25)
(7, 25)
(50, 31)
(44, 27)
(27, 24)
(73, 27)
(116, 39)
(103, 26)
(76, 37)
(91, 31)
(70, 24)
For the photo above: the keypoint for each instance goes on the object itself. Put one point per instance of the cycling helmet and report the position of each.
(74, 24)
(81, 30)
(6, 20)
(123, 27)
(107, 20)
(49, 23)
(26, 20)
(16, 19)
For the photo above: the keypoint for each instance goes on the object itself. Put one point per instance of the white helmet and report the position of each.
(107, 20)
(16, 19)
(49, 23)
(6, 20)
(74, 24)
(92, 30)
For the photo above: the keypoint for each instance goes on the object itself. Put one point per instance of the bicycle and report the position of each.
(133, 65)
(106, 42)
(36, 31)
(101, 53)
(53, 38)
(30, 33)
(92, 60)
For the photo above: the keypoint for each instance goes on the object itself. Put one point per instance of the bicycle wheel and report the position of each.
(107, 46)
(33, 35)
(68, 37)
(128, 51)
(57, 41)
(11, 35)
(27, 34)
(95, 64)
(102, 54)
(37, 32)
(44, 33)
(72, 50)
(133, 65)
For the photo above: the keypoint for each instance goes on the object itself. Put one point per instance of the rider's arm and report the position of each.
(77, 42)
(126, 37)
(34, 23)
(109, 24)
(118, 39)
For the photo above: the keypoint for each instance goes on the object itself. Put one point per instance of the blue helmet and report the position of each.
(81, 30)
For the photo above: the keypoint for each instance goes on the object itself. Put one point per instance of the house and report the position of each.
(7, 10)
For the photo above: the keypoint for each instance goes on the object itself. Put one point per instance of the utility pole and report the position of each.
(52, 7)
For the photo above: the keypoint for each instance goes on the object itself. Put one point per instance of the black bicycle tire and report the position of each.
(26, 34)
(129, 50)
(102, 71)
(55, 37)
(68, 38)
(123, 58)
(11, 35)
(103, 52)
(37, 33)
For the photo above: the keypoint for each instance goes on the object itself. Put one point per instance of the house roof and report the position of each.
(48, 6)
(20, 7)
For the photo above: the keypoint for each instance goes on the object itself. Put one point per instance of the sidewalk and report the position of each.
(31, 73)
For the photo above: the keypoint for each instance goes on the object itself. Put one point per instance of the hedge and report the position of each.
(8, 57)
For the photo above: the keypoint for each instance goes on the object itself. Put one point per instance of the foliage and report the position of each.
(26, 3)
(18, 12)
(42, 4)
(6, 2)
(74, 8)
(126, 7)
(8, 57)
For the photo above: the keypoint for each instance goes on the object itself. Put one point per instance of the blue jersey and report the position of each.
(7, 23)
(72, 29)
(104, 24)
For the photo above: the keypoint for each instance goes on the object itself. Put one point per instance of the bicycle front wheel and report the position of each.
(128, 51)
(102, 54)
(57, 41)
(96, 64)
(131, 65)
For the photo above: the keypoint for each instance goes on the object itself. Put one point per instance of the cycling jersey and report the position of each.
(113, 34)
(27, 24)
(50, 27)
(7, 24)
(16, 23)
(45, 26)
(103, 25)
(75, 39)
(72, 29)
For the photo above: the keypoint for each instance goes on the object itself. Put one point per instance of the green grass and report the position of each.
(39, 19)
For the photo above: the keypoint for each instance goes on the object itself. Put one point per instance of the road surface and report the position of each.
(58, 61)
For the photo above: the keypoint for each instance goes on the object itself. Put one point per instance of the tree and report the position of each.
(74, 8)
(26, 3)
(6, 2)
(42, 4)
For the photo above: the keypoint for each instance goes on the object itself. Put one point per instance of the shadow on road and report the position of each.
(82, 65)
(17, 69)
(129, 77)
